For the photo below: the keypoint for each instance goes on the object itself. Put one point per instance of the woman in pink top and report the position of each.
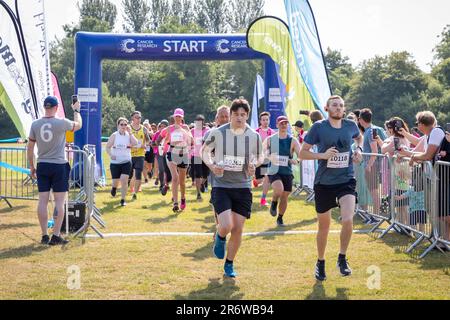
(260, 175)
(180, 140)
(200, 170)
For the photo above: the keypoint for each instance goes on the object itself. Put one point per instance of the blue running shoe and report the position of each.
(219, 247)
(229, 270)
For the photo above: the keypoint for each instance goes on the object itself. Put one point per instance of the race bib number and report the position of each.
(232, 163)
(139, 143)
(177, 137)
(280, 161)
(198, 141)
(339, 161)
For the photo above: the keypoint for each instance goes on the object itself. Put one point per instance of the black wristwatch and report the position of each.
(75, 110)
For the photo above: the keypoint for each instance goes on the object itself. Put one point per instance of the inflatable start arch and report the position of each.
(92, 48)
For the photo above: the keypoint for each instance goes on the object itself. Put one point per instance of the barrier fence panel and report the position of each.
(373, 186)
(441, 218)
(15, 175)
(412, 202)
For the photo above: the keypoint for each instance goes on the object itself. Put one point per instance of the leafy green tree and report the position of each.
(213, 15)
(242, 13)
(102, 10)
(160, 11)
(340, 72)
(442, 50)
(136, 15)
(381, 80)
(114, 107)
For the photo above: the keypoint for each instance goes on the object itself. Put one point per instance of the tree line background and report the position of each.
(392, 85)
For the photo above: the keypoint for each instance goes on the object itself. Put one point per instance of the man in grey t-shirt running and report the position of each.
(237, 153)
(52, 171)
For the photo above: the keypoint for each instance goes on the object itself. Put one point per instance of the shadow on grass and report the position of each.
(227, 290)
(318, 293)
(206, 209)
(23, 251)
(287, 227)
(434, 260)
(202, 253)
(16, 225)
(13, 209)
(112, 206)
(164, 219)
(157, 205)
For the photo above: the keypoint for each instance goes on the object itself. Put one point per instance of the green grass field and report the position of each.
(270, 266)
(183, 267)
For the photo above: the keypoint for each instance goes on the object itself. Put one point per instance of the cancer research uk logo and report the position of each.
(220, 46)
(226, 46)
(126, 44)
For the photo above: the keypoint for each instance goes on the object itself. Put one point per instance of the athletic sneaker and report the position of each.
(280, 222)
(45, 239)
(113, 191)
(146, 180)
(123, 203)
(273, 208)
(219, 247)
(140, 189)
(229, 270)
(175, 207)
(263, 202)
(156, 182)
(134, 196)
(320, 271)
(55, 240)
(164, 190)
(183, 204)
(202, 188)
(199, 197)
(343, 267)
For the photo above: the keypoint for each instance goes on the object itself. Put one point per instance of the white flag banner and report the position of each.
(32, 20)
(13, 76)
(258, 93)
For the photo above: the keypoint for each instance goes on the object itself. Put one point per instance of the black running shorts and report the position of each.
(239, 200)
(285, 179)
(327, 196)
(119, 169)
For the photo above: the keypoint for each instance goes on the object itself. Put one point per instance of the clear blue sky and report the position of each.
(360, 28)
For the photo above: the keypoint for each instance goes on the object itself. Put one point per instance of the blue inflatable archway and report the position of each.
(92, 48)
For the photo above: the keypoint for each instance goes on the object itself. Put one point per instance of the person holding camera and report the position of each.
(396, 141)
(118, 148)
(52, 172)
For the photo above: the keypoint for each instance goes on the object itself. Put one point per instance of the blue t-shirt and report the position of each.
(368, 138)
(325, 136)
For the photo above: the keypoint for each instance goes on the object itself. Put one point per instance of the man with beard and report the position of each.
(335, 181)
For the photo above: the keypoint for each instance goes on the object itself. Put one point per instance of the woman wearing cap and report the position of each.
(119, 150)
(279, 148)
(180, 140)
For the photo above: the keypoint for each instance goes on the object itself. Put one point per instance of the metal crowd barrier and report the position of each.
(414, 200)
(373, 186)
(15, 176)
(302, 185)
(16, 181)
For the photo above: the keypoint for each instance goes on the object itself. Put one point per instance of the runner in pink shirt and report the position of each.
(261, 172)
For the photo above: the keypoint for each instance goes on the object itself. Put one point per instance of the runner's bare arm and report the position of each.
(30, 156)
(110, 144)
(306, 154)
(77, 116)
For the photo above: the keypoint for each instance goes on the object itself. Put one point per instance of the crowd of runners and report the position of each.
(228, 157)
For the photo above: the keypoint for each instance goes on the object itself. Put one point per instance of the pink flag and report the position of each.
(61, 113)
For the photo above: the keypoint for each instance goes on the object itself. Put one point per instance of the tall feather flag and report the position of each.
(258, 94)
(270, 35)
(308, 50)
(24, 65)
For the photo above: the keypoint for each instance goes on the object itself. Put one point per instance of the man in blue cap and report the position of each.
(52, 171)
